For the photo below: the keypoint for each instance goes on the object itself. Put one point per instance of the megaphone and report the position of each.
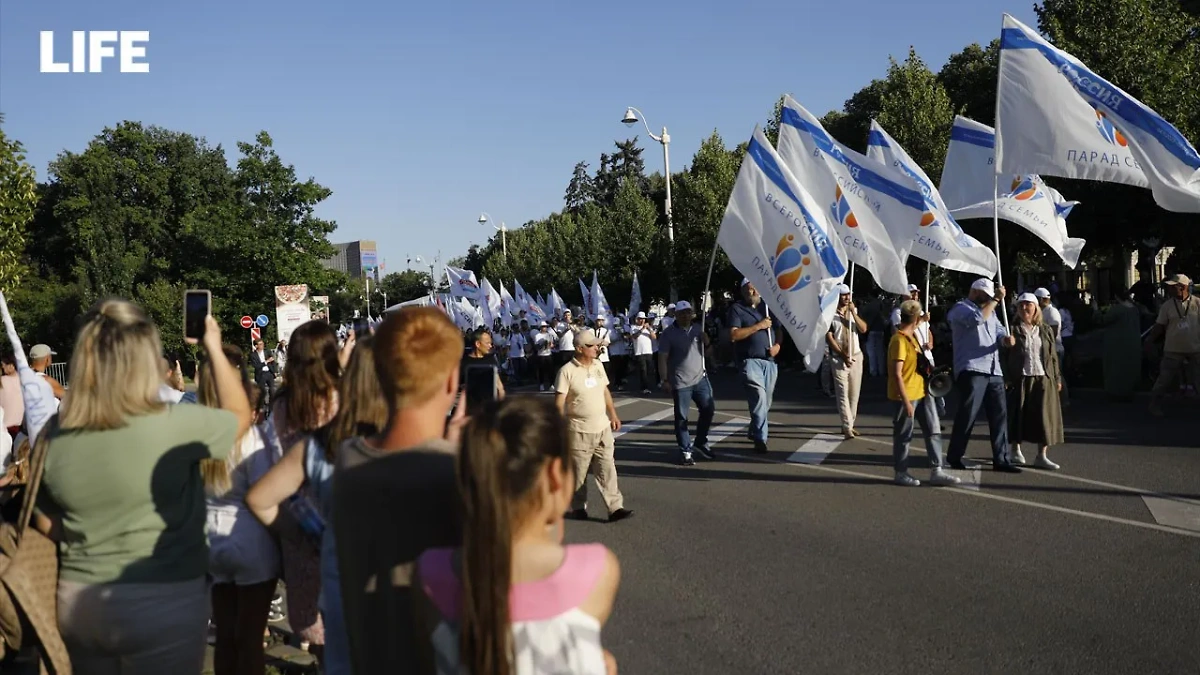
(940, 381)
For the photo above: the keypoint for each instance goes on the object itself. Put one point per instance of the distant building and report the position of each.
(358, 259)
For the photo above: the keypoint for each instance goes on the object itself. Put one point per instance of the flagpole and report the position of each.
(712, 261)
(852, 266)
(928, 267)
(996, 238)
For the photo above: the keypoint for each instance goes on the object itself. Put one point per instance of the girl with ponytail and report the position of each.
(513, 600)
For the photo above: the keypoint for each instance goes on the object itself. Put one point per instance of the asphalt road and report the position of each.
(767, 564)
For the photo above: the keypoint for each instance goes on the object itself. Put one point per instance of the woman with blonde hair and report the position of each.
(1033, 378)
(122, 494)
(243, 558)
(310, 463)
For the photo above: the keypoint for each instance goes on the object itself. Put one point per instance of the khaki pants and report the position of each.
(595, 450)
(1171, 370)
(847, 382)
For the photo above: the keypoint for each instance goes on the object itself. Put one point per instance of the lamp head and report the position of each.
(630, 117)
(483, 218)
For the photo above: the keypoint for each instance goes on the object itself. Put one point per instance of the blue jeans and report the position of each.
(702, 394)
(925, 414)
(336, 660)
(759, 378)
(980, 391)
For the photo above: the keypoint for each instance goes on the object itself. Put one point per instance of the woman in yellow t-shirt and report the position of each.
(906, 386)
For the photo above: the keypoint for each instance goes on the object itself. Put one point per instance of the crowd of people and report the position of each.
(174, 511)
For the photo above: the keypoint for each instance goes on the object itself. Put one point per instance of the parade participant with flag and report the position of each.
(777, 235)
(1056, 117)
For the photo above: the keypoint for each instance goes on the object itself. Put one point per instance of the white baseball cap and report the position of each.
(640, 315)
(913, 287)
(672, 306)
(842, 289)
(986, 286)
(1027, 297)
(681, 306)
(745, 280)
(1041, 293)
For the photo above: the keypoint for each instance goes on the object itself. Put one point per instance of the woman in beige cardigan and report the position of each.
(1033, 379)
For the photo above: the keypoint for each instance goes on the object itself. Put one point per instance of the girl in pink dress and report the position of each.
(529, 605)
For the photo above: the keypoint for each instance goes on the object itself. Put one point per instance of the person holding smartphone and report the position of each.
(482, 354)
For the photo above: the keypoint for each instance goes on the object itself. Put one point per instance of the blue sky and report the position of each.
(419, 115)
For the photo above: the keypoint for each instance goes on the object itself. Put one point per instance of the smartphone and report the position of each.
(362, 327)
(481, 386)
(197, 305)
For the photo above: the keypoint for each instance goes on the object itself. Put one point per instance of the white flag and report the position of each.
(588, 308)
(507, 304)
(490, 304)
(600, 304)
(778, 236)
(851, 189)
(558, 307)
(533, 311)
(635, 299)
(939, 240)
(1056, 117)
(462, 283)
(968, 190)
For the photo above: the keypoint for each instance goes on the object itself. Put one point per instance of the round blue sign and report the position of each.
(262, 321)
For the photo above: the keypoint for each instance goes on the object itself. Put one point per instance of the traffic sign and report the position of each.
(247, 322)
(255, 334)
(262, 321)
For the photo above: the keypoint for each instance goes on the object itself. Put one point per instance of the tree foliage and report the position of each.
(18, 199)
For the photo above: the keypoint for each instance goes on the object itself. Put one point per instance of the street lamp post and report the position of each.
(632, 115)
(485, 217)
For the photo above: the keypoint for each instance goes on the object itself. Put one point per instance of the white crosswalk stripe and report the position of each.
(634, 425)
(727, 429)
(1184, 514)
(816, 449)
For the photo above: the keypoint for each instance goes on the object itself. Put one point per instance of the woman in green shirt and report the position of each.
(123, 496)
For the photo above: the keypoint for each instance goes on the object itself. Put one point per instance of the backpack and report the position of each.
(29, 579)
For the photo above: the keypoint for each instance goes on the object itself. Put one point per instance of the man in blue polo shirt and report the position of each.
(756, 346)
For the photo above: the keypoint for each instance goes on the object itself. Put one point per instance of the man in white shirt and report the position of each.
(603, 336)
(644, 337)
(544, 342)
(516, 352)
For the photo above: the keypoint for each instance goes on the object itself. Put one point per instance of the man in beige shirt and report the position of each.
(582, 396)
(1179, 320)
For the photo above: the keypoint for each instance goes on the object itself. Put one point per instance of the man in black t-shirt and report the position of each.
(481, 355)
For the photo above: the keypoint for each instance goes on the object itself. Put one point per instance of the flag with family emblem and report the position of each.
(969, 191)
(939, 239)
(533, 311)
(462, 283)
(779, 238)
(1056, 117)
(852, 190)
(489, 304)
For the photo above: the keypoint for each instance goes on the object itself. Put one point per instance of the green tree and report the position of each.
(851, 124)
(915, 111)
(969, 78)
(702, 192)
(581, 189)
(18, 198)
(405, 286)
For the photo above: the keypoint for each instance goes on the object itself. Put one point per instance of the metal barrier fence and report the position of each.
(59, 372)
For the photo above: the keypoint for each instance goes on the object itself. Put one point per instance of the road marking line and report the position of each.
(988, 495)
(644, 421)
(816, 449)
(1174, 513)
(971, 478)
(727, 429)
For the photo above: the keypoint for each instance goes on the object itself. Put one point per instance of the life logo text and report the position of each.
(90, 48)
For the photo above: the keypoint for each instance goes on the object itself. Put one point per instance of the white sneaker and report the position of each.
(906, 480)
(1043, 462)
(1017, 457)
(939, 477)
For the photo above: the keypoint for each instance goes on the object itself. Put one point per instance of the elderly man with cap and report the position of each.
(845, 358)
(978, 375)
(582, 396)
(1178, 319)
(756, 346)
(40, 357)
(681, 350)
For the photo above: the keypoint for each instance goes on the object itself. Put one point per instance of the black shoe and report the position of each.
(1005, 467)
(704, 451)
(761, 447)
(619, 514)
(577, 514)
(686, 459)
